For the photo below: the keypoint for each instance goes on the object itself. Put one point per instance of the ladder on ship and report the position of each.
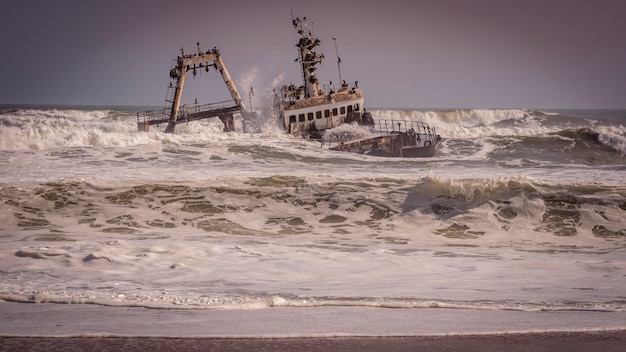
(170, 93)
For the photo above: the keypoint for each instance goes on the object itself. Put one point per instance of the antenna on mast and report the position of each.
(250, 95)
(338, 60)
(294, 21)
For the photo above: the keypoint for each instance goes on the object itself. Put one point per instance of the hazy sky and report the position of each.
(404, 53)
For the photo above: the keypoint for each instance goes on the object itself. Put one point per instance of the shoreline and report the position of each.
(50, 326)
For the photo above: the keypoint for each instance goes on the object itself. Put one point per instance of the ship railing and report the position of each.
(151, 117)
(195, 108)
(163, 115)
(335, 88)
(381, 130)
(406, 126)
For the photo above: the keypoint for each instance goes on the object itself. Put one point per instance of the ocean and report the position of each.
(520, 209)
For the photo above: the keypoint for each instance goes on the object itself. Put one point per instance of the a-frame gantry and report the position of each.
(176, 113)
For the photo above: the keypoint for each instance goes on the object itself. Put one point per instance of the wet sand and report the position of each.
(607, 341)
(46, 326)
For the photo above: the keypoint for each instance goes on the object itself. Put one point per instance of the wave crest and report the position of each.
(473, 189)
(475, 123)
(613, 137)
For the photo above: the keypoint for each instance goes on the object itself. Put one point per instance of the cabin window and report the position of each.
(335, 112)
(301, 117)
(318, 114)
(356, 107)
(309, 116)
(326, 113)
(292, 118)
(343, 110)
(349, 109)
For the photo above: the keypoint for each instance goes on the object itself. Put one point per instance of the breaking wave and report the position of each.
(45, 129)
(613, 137)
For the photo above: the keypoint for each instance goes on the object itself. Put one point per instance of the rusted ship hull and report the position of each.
(401, 139)
(407, 151)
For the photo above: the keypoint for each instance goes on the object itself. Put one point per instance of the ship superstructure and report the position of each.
(309, 109)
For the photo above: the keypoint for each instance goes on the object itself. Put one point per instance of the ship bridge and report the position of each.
(173, 113)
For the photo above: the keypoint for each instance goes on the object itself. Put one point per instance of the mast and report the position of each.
(308, 57)
(338, 60)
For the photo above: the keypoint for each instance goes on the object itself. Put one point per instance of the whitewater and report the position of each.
(519, 210)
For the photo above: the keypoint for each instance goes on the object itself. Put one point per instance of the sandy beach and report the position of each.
(44, 326)
(607, 341)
